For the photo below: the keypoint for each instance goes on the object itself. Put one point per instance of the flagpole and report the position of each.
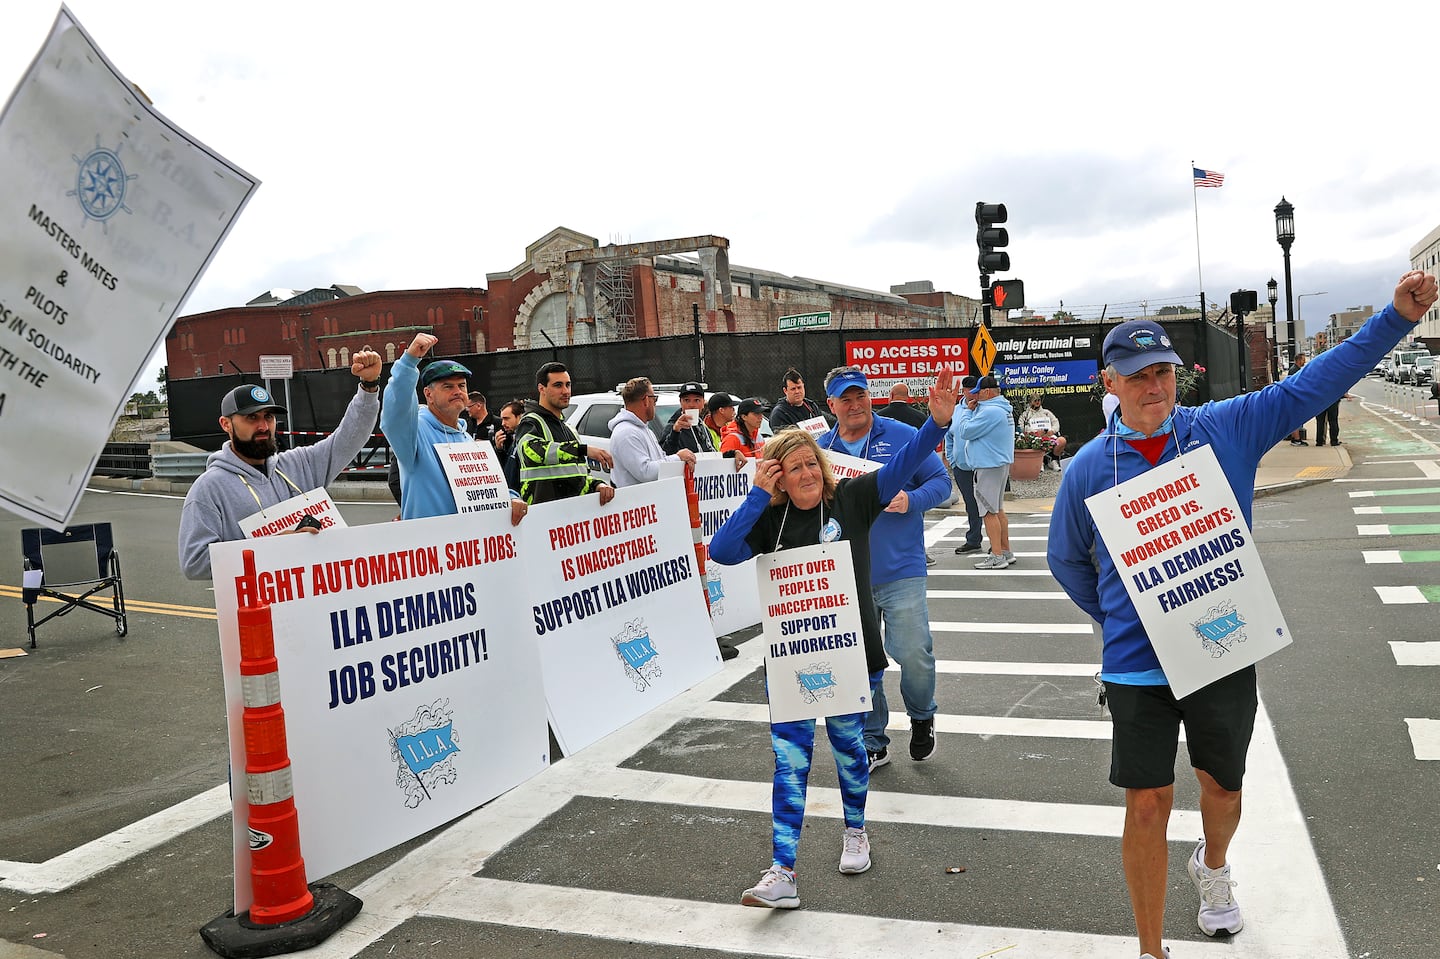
(1199, 275)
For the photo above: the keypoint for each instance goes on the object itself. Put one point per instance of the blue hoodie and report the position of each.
(988, 434)
(1240, 430)
(413, 432)
(897, 540)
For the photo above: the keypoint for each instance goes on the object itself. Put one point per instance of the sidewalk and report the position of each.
(1285, 467)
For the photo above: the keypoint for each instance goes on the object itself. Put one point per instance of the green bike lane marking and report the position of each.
(1410, 491)
(1414, 529)
(1394, 510)
(1373, 556)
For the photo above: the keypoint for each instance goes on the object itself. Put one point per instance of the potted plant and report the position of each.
(1030, 452)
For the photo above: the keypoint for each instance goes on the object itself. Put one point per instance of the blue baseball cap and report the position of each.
(1132, 346)
(442, 370)
(841, 382)
(248, 399)
(983, 383)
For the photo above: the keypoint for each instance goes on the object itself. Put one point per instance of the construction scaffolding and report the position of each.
(616, 293)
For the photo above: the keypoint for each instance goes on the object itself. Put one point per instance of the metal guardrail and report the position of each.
(182, 467)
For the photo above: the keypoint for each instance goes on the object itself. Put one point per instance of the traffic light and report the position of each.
(1007, 295)
(990, 237)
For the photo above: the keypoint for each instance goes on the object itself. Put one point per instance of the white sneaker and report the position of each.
(776, 889)
(855, 854)
(993, 561)
(1166, 956)
(1219, 912)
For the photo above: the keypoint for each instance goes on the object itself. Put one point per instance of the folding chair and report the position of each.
(71, 566)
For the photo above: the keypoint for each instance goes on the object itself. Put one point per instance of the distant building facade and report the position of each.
(1425, 255)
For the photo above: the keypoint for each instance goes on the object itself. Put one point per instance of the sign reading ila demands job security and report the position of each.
(108, 217)
(734, 600)
(616, 607)
(407, 672)
(1188, 561)
(912, 362)
(814, 645)
(476, 478)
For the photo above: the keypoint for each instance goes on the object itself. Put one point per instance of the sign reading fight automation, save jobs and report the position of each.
(412, 693)
(108, 217)
(1189, 564)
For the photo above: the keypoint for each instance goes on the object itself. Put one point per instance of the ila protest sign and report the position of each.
(1189, 564)
(721, 488)
(616, 607)
(814, 646)
(408, 674)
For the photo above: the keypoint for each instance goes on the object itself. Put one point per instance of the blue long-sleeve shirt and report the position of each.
(897, 546)
(413, 431)
(1240, 430)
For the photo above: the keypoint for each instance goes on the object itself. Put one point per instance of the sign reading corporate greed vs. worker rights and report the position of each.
(108, 217)
(408, 673)
(617, 607)
(1188, 560)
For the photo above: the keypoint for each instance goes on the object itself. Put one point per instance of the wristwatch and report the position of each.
(370, 386)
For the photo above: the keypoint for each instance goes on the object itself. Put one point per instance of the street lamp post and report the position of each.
(1300, 313)
(1285, 235)
(1272, 295)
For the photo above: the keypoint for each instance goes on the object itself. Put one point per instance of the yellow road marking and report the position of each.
(131, 605)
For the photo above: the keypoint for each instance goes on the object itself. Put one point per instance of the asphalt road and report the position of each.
(640, 845)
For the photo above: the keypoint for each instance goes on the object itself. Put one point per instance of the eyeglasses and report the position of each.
(652, 396)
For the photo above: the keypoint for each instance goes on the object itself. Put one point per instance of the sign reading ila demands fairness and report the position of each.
(1189, 564)
(617, 607)
(407, 672)
(108, 217)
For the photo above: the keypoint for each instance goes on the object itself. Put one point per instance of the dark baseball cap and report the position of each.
(751, 405)
(984, 383)
(1132, 346)
(442, 370)
(248, 398)
(968, 383)
(719, 401)
(691, 389)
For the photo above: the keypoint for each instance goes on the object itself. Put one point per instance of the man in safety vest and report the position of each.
(553, 461)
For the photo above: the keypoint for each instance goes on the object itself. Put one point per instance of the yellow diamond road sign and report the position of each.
(983, 351)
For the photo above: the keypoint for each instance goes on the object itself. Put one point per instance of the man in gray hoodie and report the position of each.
(247, 475)
(636, 451)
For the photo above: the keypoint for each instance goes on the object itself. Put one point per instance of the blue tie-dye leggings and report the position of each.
(794, 744)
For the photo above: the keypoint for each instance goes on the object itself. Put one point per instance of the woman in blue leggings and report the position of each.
(796, 501)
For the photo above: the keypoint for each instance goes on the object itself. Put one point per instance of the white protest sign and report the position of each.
(815, 425)
(1038, 424)
(616, 605)
(408, 675)
(1189, 563)
(814, 647)
(108, 217)
(476, 477)
(284, 515)
(843, 465)
(734, 599)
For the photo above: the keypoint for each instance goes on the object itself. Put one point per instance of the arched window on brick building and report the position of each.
(389, 352)
(330, 356)
(344, 356)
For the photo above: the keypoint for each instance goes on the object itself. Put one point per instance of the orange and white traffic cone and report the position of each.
(286, 914)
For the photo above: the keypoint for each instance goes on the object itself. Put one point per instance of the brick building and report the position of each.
(626, 292)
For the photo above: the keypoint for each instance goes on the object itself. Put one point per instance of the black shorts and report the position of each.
(1219, 720)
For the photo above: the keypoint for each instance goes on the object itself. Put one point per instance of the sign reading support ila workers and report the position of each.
(734, 602)
(1180, 545)
(476, 477)
(814, 645)
(108, 216)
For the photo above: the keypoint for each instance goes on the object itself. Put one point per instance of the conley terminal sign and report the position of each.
(1049, 361)
(912, 362)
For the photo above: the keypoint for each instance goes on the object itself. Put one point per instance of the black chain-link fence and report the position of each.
(743, 364)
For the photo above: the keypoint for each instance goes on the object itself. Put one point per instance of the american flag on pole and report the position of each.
(1208, 178)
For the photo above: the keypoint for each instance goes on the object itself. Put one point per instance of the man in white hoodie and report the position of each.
(633, 446)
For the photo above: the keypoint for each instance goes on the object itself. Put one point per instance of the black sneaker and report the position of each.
(967, 548)
(728, 652)
(878, 758)
(922, 739)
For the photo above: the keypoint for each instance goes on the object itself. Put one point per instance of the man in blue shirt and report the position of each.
(414, 430)
(1150, 429)
(897, 560)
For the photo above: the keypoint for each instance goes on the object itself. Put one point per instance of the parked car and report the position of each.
(1423, 370)
(1379, 370)
(1397, 361)
(589, 415)
(1405, 365)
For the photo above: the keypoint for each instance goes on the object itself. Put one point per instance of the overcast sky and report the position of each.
(404, 146)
